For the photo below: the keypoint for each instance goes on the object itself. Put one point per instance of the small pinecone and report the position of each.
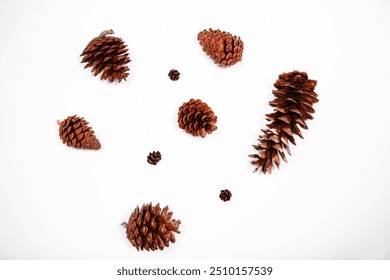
(225, 195)
(154, 157)
(107, 54)
(174, 75)
(197, 118)
(75, 132)
(293, 104)
(224, 48)
(151, 228)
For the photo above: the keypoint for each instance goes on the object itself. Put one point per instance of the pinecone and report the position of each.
(293, 104)
(107, 54)
(174, 75)
(151, 228)
(225, 195)
(197, 118)
(75, 132)
(224, 48)
(154, 157)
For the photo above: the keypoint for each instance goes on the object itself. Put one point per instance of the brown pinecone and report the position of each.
(293, 104)
(224, 48)
(151, 228)
(225, 195)
(154, 157)
(75, 132)
(197, 118)
(174, 75)
(107, 54)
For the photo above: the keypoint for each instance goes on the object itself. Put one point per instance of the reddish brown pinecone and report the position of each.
(154, 157)
(174, 75)
(225, 195)
(151, 227)
(107, 54)
(197, 118)
(293, 104)
(224, 48)
(75, 132)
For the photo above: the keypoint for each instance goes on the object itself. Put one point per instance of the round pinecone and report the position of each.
(151, 228)
(107, 54)
(174, 75)
(224, 48)
(154, 157)
(197, 118)
(225, 195)
(75, 132)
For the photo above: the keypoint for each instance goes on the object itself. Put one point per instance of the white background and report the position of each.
(330, 201)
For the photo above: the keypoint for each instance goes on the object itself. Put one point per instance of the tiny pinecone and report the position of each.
(293, 104)
(174, 75)
(225, 195)
(151, 227)
(154, 157)
(197, 118)
(107, 54)
(224, 48)
(75, 132)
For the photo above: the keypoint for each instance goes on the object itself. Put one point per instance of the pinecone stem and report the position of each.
(58, 122)
(124, 224)
(106, 32)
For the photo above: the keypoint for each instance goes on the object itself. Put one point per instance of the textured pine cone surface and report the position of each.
(75, 132)
(225, 195)
(151, 228)
(107, 54)
(197, 118)
(154, 157)
(293, 104)
(174, 75)
(224, 48)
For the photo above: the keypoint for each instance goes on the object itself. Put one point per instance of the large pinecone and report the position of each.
(151, 228)
(197, 118)
(293, 104)
(224, 48)
(107, 54)
(75, 132)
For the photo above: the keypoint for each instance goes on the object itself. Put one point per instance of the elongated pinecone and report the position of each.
(75, 132)
(151, 228)
(107, 54)
(293, 104)
(225, 195)
(197, 118)
(224, 48)
(154, 157)
(174, 75)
